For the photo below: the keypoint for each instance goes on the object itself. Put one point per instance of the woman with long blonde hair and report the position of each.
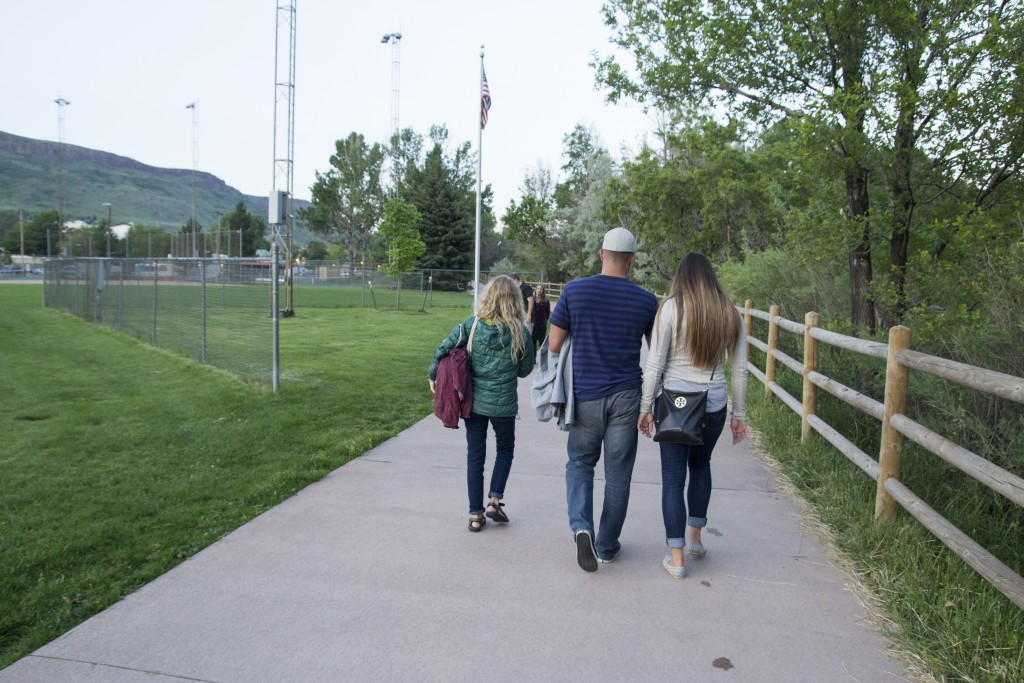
(501, 352)
(696, 330)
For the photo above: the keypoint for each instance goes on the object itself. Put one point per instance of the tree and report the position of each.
(239, 225)
(315, 251)
(703, 193)
(579, 146)
(348, 199)
(559, 227)
(760, 61)
(36, 230)
(530, 224)
(148, 242)
(403, 240)
(936, 85)
(443, 189)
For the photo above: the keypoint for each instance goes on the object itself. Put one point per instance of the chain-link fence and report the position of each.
(219, 311)
(373, 288)
(215, 311)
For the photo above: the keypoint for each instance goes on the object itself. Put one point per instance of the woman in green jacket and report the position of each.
(501, 352)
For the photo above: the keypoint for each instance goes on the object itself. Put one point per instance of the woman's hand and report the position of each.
(431, 383)
(645, 424)
(739, 430)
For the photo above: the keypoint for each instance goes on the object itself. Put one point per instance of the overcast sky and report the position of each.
(130, 67)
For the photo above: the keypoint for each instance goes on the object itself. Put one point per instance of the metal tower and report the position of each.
(195, 164)
(284, 129)
(61, 103)
(396, 44)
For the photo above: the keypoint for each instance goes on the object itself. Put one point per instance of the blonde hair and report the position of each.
(712, 324)
(502, 302)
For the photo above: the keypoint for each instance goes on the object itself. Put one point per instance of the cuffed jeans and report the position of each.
(476, 455)
(676, 459)
(611, 421)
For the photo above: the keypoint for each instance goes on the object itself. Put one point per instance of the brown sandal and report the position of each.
(478, 520)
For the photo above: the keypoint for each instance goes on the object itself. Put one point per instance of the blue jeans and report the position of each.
(676, 459)
(476, 455)
(611, 421)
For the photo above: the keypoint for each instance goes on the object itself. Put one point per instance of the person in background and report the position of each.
(608, 317)
(528, 298)
(541, 313)
(696, 330)
(500, 353)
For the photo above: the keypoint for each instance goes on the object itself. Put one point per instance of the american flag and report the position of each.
(485, 100)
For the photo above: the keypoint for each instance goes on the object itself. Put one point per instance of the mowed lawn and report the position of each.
(118, 460)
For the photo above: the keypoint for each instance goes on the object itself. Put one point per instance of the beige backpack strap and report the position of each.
(469, 345)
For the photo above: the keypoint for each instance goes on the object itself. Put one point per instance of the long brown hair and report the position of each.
(712, 324)
(502, 302)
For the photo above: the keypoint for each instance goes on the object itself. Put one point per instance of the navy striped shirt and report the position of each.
(607, 317)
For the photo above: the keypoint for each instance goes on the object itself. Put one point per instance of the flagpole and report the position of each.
(479, 181)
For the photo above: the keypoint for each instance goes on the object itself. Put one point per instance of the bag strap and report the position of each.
(469, 345)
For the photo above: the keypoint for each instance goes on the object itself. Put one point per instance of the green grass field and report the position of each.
(119, 461)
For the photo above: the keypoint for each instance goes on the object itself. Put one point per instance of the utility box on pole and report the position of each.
(277, 207)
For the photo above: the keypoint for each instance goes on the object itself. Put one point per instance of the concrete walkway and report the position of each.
(371, 575)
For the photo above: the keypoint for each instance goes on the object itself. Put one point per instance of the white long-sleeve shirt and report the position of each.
(672, 367)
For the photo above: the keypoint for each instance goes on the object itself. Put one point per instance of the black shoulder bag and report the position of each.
(679, 415)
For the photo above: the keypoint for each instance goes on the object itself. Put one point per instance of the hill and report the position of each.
(140, 194)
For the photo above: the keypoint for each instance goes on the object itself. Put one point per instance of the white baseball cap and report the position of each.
(619, 239)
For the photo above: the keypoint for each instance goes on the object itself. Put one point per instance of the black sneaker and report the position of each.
(585, 553)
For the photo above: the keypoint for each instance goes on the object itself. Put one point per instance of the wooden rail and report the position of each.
(895, 425)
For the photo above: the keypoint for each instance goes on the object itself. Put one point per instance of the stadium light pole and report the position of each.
(195, 162)
(395, 40)
(64, 238)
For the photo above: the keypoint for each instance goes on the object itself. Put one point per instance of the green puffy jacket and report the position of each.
(495, 371)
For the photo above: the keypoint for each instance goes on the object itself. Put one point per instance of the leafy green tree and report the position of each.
(442, 187)
(240, 221)
(583, 223)
(402, 239)
(348, 199)
(934, 87)
(579, 146)
(190, 240)
(558, 228)
(315, 251)
(8, 224)
(404, 154)
(702, 193)
(530, 218)
(36, 230)
(148, 242)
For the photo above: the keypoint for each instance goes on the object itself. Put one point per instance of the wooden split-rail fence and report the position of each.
(895, 425)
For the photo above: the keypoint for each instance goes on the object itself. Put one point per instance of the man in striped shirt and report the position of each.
(607, 316)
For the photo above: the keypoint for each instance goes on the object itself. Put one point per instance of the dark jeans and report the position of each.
(540, 331)
(476, 455)
(676, 460)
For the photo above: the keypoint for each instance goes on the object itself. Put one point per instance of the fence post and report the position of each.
(810, 402)
(773, 342)
(156, 269)
(748, 322)
(202, 266)
(891, 451)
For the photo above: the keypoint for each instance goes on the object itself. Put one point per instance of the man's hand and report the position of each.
(431, 383)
